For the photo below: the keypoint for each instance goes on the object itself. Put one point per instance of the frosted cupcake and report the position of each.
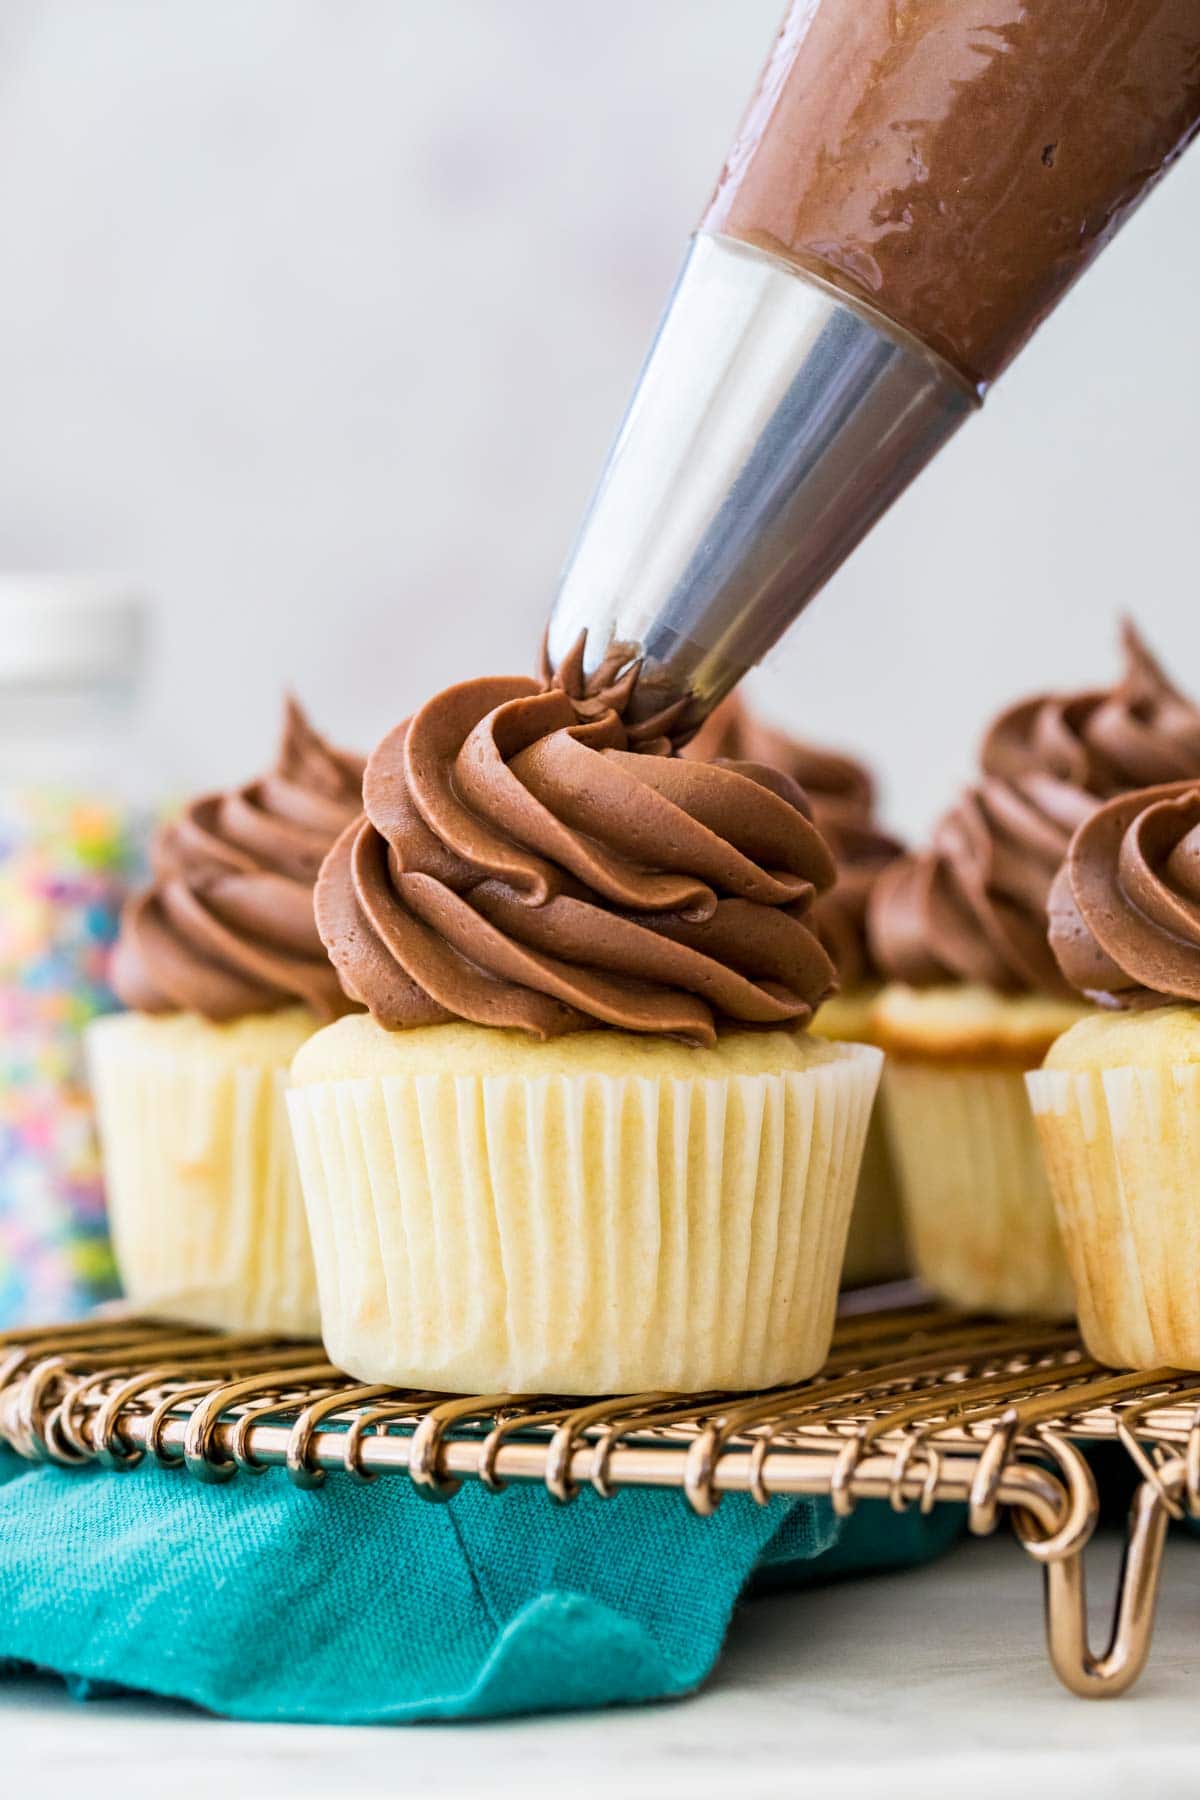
(962, 930)
(582, 1141)
(1118, 1101)
(222, 964)
(842, 795)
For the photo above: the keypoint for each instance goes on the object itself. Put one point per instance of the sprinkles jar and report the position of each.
(70, 847)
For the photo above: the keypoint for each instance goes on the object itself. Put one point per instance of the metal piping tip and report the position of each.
(773, 422)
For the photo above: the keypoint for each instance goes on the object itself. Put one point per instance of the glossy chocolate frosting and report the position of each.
(226, 928)
(529, 860)
(1125, 906)
(973, 906)
(958, 163)
(842, 796)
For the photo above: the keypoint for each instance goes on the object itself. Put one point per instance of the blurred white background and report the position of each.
(318, 318)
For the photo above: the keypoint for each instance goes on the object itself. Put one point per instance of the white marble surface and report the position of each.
(916, 1685)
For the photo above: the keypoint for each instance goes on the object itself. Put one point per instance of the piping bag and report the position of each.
(914, 187)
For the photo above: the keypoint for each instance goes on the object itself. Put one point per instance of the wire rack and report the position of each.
(916, 1406)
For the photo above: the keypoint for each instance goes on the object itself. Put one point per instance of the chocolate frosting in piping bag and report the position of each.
(527, 860)
(226, 928)
(958, 163)
(972, 907)
(842, 796)
(1125, 907)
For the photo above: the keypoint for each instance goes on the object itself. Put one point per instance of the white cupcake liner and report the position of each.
(876, 1244)
(876, 1248)
(1122, 1149)
(204, 1199)
(582, 1233)
(977, 1204)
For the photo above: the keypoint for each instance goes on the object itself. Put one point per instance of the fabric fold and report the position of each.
(351, 1605)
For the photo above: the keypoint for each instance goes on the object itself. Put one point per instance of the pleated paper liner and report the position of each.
(585, 1233)
(978, 1207)
(1122, 1148)
(204, 1197)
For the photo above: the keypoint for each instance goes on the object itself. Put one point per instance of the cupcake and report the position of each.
(581, 1141)
(222, 965)
(961, 928)
(1117, 1102)
(842, 795)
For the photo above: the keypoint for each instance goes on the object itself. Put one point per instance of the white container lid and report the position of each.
(60, 630)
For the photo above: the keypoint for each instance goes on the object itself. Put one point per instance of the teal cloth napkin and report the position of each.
(354, 1605)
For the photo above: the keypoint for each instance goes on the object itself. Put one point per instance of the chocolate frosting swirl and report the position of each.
(972, 907)
(226, 927)
(1125, 906)
(842, 795)
(528, 859)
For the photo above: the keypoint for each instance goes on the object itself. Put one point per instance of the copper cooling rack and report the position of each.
(916, 1406)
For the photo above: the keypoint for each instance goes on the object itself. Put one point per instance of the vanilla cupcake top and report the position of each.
(972, 907)
(226, 927)
(532, 857)
(842, 796)
(1125, 907)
